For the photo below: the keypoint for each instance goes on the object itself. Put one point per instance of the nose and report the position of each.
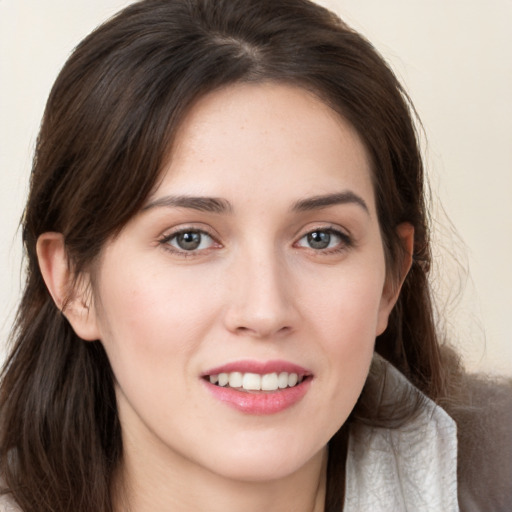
(262, 303)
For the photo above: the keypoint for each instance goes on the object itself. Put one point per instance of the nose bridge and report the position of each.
(261, 304)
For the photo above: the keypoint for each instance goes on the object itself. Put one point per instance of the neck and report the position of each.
(143, 487)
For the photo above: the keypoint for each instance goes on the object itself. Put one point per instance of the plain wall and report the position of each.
(455, 58)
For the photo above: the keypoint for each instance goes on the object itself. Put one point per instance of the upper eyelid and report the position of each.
(324, 227)
(172, 232)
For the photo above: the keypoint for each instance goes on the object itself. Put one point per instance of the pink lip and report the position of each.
(246, 366)
(259, 402)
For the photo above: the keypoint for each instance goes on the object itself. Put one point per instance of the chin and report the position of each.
(261, 464)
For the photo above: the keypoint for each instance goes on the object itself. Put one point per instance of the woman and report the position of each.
(227, 303)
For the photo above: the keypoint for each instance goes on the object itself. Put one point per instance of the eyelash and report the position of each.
(165, 242)
(345, 242)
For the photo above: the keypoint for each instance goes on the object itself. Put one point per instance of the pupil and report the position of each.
(319, 239)
(189, 241)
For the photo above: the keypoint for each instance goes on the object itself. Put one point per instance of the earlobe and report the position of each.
(391, 292)
(69, 295)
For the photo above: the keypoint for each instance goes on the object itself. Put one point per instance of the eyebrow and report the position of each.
(200, 203)
(327, 200)
(219, 205)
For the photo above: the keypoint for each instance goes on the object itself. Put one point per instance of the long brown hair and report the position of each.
(108, 124)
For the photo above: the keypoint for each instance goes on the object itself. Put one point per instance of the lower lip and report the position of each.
(259, 403)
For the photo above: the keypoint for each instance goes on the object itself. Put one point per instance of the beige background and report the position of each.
(455, 58)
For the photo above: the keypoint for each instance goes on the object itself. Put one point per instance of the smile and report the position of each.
(258, 388)
(255, 382)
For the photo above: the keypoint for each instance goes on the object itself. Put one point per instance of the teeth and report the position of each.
(223, 379)
(256, 382)
(282, 380)
(252, 381)
(235, 380)
(269, 382)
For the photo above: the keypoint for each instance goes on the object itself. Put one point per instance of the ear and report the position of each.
(70, 296)
(392, 287)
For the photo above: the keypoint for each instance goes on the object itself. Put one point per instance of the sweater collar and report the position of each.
(410, 467)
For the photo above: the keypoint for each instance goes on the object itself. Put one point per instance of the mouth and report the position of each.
(254, 382)
(259, 388)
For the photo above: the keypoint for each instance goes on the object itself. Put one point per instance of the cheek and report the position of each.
(347, 304)
(151, 325)
(345, 316)
(348, 324)
(150, 320)
(160, 301)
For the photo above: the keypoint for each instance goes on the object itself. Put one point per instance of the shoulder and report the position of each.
(484, 432)
(7, 504)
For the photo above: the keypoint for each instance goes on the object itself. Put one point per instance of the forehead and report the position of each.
(271, 138)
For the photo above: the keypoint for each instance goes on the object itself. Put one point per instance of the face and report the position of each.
(240, 307)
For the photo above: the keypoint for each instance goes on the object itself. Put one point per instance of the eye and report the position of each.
(322, 239)
(189, 240)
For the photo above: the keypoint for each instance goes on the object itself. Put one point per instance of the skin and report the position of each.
(254, 289)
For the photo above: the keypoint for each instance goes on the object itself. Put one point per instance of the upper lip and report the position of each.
(259, 367)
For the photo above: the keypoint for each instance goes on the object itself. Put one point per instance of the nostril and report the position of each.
(263, 332)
